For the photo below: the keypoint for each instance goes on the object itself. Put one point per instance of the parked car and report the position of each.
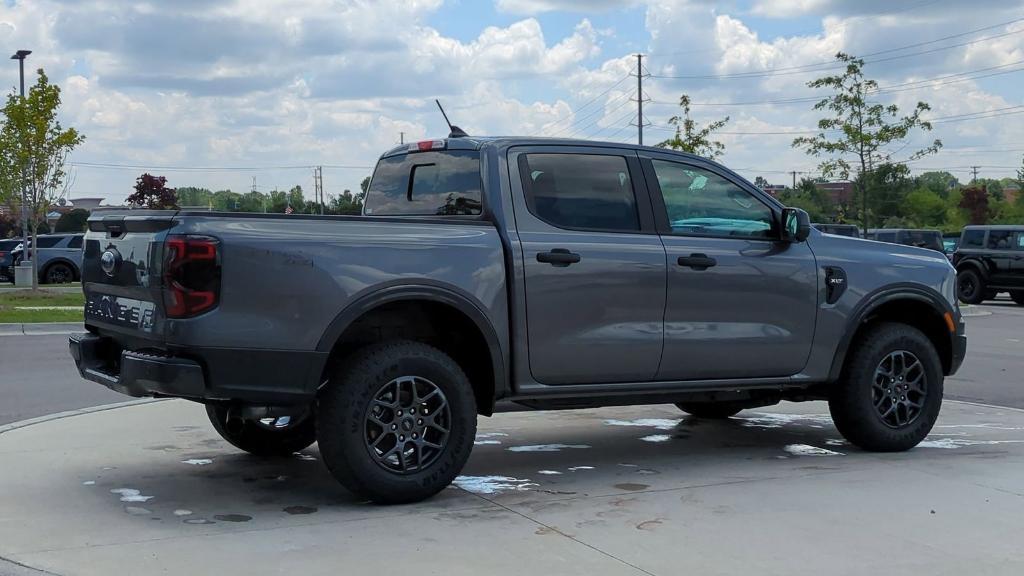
(990, 259)
(60, 257)
(931, 239)
(839, 229)
(495, 273)
(7, 258)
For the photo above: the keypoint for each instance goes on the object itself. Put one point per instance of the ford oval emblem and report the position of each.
(109, 261)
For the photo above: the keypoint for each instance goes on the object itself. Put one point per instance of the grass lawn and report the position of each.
(10, 300)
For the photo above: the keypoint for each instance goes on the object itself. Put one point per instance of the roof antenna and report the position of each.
(456, 132)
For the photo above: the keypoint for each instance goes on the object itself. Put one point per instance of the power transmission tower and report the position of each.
(639, 99)
(318, 185)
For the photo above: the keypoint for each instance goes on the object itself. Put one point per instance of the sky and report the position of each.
(237, 93)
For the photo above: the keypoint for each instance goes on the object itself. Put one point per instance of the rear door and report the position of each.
(120, 273)
(594, 266)
(741, 304)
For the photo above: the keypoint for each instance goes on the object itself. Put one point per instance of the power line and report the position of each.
(831, 65)
(598, 120)
(925, 83)
(569, 129)
(570, 116)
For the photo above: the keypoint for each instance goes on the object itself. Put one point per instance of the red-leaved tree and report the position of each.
(974, 199)
(152, 192)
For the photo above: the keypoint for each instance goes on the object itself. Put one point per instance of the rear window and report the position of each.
(426, 184)
(48, 241)
(972, 239)
(580, 191)
(922, 239)
(1001, 240)
(8, 245)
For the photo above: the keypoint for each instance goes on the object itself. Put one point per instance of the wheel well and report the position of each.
(440, 325)
(916, 313)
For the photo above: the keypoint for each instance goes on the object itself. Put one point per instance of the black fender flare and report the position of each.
(433, 293)
(874, 300)
(976, 265)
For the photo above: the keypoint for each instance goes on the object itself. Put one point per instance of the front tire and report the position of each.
(890, 392)
(1018, 297)
(710, 410)
(970, 287)
(258, 439)
(397, 423)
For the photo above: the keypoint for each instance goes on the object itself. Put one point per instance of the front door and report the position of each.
(594, 266)
(741, 304)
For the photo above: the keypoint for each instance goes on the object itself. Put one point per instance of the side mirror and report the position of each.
(796, 225)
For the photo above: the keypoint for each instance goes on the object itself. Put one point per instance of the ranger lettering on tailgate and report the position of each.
(121, 311)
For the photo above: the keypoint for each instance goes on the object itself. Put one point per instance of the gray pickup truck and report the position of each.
(494, 273)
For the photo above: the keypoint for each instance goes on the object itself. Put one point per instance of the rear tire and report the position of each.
(710, 410)
(1018, 297)
(258, 440)
(890, 392)
(970, 287)
(396, 424)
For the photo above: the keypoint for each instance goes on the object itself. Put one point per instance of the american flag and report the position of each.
(288, 210)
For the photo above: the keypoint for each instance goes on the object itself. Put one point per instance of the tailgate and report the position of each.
(121, 266)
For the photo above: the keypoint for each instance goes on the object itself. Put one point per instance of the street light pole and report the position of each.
(20, 56)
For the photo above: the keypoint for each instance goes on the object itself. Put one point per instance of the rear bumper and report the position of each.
(270, 377)
(136, 373)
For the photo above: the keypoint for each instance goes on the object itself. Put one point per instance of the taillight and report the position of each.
(428, 145)
(191, 275)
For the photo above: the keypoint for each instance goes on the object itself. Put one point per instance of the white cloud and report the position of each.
(540, 6)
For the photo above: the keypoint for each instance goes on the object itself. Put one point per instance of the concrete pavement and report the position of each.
(151, 489)
(38, 377)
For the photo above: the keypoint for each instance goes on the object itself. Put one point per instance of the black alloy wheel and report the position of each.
(899, 389)
(407, 424)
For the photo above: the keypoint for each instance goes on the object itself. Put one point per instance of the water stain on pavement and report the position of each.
(649, 524)
(632, 486)
(298, 510)
(232, 517)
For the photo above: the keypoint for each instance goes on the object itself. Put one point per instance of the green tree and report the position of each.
(859, 128)
(73, 221)
(34, 147)
(194, 197)
(814, 201)
(938, 182)
(692, 138)
(761, 182)
(886, 187)
(923, 208)
(364, 185)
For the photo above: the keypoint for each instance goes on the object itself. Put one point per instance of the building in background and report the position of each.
(841, 193)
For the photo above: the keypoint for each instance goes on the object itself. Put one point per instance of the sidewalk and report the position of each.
(150, 489)
(40, 328)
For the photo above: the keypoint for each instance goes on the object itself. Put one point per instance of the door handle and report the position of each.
(697, 261)
(559, 257)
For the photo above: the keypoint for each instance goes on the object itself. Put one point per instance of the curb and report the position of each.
(40, 328)
(78, 412)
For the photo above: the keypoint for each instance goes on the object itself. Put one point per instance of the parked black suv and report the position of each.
(931, 239)
(989, 260)
(839, 229)
(7, 247)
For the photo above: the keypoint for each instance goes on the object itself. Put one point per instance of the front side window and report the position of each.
(702, 203)
(973, 239)
(1000, 240)
(426, 184)
(76, 242)
(580, 191)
